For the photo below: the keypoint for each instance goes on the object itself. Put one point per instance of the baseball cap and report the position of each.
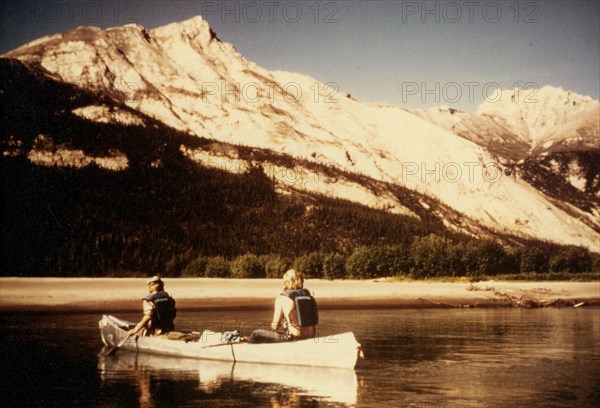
(154, 279)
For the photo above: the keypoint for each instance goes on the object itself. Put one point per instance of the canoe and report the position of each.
(338, 350)
(332, 385)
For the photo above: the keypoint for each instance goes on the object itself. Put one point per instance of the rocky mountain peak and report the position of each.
(547, 115)
(196, 29)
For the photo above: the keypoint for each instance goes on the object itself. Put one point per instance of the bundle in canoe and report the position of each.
(339, 350)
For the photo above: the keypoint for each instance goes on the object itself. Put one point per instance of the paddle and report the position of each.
(113, 350)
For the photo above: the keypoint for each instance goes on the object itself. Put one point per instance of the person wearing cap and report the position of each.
(159, 311)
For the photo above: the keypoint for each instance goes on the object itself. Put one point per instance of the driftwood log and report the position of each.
(529, 299)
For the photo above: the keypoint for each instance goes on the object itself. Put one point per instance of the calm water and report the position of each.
(415, 358)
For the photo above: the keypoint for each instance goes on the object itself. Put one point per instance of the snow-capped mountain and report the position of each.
(184, 76)
(517, 123)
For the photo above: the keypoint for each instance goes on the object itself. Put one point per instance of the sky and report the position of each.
(413, 54)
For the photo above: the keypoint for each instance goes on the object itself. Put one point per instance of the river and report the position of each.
(498, 357)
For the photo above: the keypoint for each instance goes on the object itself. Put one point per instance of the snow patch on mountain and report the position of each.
(105, 114)
(574, 174)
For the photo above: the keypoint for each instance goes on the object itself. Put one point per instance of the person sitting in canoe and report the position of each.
(295, 312)
(159, 311)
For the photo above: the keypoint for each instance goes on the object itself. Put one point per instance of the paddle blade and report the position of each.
(112, 350)
(107, 351)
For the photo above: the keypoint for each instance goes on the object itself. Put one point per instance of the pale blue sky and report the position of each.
(411, 54)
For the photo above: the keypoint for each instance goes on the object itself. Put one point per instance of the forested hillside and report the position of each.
(166, 214)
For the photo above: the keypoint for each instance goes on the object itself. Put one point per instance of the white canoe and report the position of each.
(338, 350)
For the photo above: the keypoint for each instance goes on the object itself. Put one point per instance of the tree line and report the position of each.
(430, 256)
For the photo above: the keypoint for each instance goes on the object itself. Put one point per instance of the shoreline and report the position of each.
(117, 295)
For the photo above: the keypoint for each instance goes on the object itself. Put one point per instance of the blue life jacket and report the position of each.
(164, 311)
(306, 307)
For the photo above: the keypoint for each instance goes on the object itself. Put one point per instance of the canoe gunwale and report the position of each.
(318, 352)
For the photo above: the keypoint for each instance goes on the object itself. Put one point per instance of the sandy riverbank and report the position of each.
(117, 295)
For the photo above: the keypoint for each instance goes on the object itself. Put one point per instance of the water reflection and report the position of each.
(286, 386)
(481, 358)
(476, 358)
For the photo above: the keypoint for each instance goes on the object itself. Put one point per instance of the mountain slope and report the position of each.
(185, 77)
(74, 215)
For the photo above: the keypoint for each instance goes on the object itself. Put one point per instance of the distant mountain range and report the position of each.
(523, 167)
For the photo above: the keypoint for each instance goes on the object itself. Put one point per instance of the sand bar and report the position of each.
(124, 294)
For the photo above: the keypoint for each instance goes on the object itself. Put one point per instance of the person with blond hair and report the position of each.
(296, 313)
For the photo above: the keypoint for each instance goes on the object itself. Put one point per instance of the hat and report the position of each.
(154, 279)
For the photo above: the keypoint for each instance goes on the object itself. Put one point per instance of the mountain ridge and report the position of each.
(182, 75)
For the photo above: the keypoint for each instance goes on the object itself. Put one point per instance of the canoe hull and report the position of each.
(340, 350)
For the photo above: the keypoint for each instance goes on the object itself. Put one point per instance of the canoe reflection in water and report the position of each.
(289, 384)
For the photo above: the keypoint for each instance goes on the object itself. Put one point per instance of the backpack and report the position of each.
(306, 307)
